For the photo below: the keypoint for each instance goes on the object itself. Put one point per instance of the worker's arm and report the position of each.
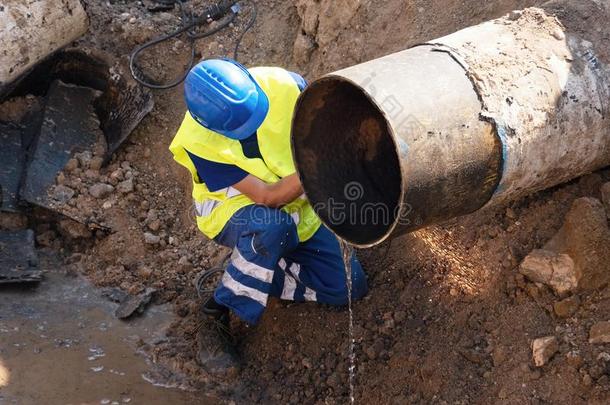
(273, 195)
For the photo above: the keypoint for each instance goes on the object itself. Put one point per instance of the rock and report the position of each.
(61, 179)
(61, 194)
(145, 272)
(154, 225)
(92, 174)
(125, 187)
(303, 47)
(574, 359)
(100, 190)
(309, 12)
(73, 229)
(567, 307)
(99, 149)
(151, 215)
(515, 15)
(585, 237)
(547, 267)
(116, 175)
(498, 355)
(558, 34)
(96, 163)
(84, 158)
(333, 19)
(115, 294)
(605, 192)
(604, 358)
(543, 349)
(134, 304)
(71, 165)
(472, 356)
(184, 265)
(600, 333)
(596, 371)
(151, 238)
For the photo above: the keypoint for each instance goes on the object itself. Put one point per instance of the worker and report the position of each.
(235, 143)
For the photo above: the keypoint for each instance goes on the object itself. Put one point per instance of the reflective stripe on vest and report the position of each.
(205, 208)
(215, 209)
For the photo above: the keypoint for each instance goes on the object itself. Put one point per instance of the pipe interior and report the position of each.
(347, 160)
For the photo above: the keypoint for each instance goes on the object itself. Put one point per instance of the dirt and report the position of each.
(449, 318)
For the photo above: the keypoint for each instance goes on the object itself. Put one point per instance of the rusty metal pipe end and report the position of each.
(348, 161)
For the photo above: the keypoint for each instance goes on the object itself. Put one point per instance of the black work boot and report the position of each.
(217, 345)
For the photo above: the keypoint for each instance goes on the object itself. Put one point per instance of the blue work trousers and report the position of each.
(268, 260)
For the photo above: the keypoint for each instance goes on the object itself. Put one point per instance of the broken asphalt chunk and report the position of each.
(18, 259)
(69, 126)
(134, 304)
(12, 162)
(115, 294)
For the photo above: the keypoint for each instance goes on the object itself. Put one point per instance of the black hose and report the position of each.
(190, 22)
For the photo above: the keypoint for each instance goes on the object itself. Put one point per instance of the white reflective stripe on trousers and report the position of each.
(295, 270)
(239, 289)
(251, 269)
(292, 274)
(310, 295)
(290, 286)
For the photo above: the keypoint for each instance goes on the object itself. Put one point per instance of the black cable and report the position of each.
(213, 13)
(248, 26)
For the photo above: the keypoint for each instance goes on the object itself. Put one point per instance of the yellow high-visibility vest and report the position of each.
(215, 209)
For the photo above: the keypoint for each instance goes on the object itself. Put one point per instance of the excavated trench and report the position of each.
(82, 103)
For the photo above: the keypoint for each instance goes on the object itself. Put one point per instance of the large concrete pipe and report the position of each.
(30, 30)
(485, 115)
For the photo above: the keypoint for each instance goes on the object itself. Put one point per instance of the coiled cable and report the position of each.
(190, 21)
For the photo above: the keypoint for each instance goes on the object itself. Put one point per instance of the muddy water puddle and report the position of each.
(61, 344)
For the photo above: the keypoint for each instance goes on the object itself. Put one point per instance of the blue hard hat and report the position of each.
(223, 96)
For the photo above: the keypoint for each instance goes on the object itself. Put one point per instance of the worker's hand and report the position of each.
(273, 195)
